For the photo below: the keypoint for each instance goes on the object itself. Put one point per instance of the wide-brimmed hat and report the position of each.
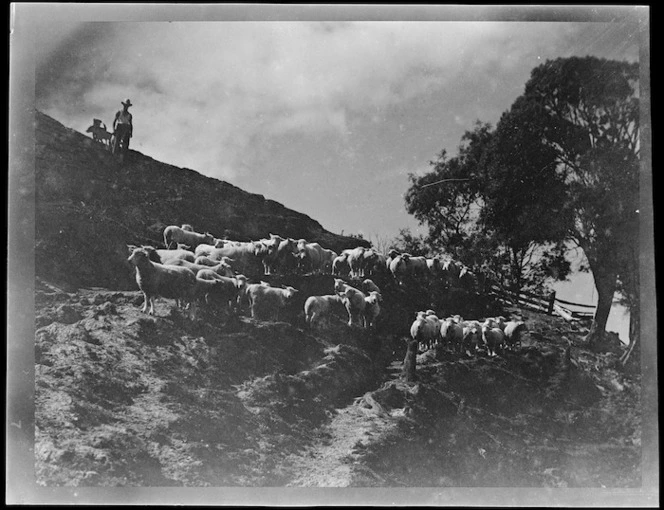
(127, 103)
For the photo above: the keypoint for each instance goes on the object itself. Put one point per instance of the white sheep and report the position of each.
(452, 334)
(266, 302)
(514, 332)
(354, 301)
(492, 336)
(472, 337)
(424, 330)
(340, 265)
(319, 308)
(222, 268)
(155, 280)
(174, 234)
(372, 308)
(223, 289)
(166, 255)
(369, 286)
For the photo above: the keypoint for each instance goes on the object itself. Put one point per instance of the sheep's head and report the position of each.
(260, 249)
(241, 281)
(208, 238)
(339, 285)
(139, 256)
(152, 254)
(375, 296)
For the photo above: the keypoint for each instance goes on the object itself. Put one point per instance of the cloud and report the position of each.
(214, 88)
(226, 98)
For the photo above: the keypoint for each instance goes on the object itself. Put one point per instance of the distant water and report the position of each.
(581, 289)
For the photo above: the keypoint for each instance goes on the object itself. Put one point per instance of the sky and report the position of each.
(325, 117)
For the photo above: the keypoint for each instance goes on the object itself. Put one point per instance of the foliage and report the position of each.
(407, 242)
(479, 205)
(562, 165)
(589, 117)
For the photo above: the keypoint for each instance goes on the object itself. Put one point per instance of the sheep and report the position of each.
(155, 279)
(372, 308)
(310, 255)
(369, 286)
(472, 337)
(514, 331)
(226, 290)
(492, 336)
(174, 234)
(391, 255)
(318, 308)
(285, 254)
(374, 262)
(266, 302)
(418, 265)
(451, 270)
(354, 301)
(433, 265)
(205, 261)
(203, 250)
(424, 330)
(327, 260)
(340, 266)
(356, 261)
(467, 279)
(167, 255)
(243, 257)
(222, 268)
(400, 267)
(452, 334)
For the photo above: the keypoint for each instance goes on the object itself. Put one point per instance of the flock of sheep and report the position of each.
(198, 269)
(493, 334)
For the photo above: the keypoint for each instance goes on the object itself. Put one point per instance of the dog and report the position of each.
(99, 133)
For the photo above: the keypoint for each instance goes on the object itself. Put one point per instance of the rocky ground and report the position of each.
(125, 399)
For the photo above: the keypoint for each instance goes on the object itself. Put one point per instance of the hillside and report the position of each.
(89, 207)
(127, 399)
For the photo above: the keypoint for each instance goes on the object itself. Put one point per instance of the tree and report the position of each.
(588, 113)
(448, 198)
(524, 199)
(407, 242)
(561, 167)
(479, 206)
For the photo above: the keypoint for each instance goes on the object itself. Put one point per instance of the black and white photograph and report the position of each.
(321, 255)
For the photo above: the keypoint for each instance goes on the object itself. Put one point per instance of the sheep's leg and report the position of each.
(151, 305)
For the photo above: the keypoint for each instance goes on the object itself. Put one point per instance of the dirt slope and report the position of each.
(127, 399)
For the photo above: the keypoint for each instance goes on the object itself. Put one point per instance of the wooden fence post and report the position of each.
(552, 300)
(410, 361)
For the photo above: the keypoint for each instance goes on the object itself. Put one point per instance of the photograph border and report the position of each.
(21, 487)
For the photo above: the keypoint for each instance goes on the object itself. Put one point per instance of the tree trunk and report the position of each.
(605, 283)
(632, 357)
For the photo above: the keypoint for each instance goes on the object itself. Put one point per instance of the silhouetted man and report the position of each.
(122, 126)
